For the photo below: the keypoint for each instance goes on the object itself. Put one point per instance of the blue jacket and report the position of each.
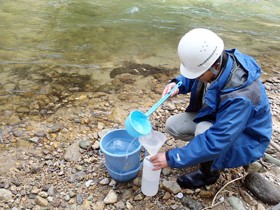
(237, 105)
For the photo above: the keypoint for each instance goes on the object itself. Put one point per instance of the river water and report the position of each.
(91, 37)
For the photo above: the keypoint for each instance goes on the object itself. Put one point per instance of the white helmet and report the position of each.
(198, 50)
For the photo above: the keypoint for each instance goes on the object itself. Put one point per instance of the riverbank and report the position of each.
(50, 144)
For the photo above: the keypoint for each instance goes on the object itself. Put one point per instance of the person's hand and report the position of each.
(159, 161)
(168, 88)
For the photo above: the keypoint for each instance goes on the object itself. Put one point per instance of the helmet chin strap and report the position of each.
(216, 71)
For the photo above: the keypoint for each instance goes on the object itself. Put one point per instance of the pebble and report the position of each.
(171, 186)
(84, 144)
(166, 171)
(5, 195)
(72, 153)
(98, 206)
(51, 191)
(104, 181)
(138, 197)
(111, 197)
(88, 183)
(41, 201)
(255, 167)
(79, 199)
(236, 203)
(67, 197)
(191, 203)
(271, 159)
(43, 194)
(166, 196)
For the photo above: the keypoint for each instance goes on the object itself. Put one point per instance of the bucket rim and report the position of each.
(122, 155)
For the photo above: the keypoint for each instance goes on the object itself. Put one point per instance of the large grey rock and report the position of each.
(264, 190)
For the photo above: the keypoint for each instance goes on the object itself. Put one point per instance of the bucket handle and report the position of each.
(101, 157)
(148, 113)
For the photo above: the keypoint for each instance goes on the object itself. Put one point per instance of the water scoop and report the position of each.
(138, 124)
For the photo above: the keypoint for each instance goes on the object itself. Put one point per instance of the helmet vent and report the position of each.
(204, 47)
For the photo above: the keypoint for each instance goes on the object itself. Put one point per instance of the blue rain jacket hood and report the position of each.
(237, 105)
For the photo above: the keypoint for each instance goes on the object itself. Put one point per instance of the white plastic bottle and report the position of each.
(150, 178)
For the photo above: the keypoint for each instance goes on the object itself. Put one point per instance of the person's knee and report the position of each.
(202, 127)
(174, 128)
(170, 128)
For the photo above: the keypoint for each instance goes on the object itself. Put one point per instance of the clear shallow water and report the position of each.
(121, 146)
(93, 37)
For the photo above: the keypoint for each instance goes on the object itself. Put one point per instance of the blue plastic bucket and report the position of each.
(124, 177)
(121, 153)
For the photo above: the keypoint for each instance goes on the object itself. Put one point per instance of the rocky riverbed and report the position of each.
(51, 126)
